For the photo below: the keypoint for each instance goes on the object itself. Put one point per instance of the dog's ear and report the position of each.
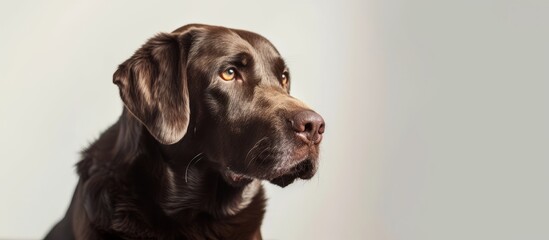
(153, 85)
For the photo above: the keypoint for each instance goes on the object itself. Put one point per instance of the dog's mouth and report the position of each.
(303, 170)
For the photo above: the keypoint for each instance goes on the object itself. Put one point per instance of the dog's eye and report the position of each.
(229, 74)
(285, 78)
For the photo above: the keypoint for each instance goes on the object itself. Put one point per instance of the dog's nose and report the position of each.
(308, 125)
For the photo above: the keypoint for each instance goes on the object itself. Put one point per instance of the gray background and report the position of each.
(436, 111)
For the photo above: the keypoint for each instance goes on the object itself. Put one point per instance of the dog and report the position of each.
(207, 117)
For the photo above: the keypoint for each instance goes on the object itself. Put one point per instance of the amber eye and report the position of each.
(229, 74)
(285, 78)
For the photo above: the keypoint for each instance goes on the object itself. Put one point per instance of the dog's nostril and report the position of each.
(321, 129)
(308, 127)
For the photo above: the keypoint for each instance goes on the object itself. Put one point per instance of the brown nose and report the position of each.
(308, 125)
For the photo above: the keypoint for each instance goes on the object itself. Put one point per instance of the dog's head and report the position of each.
(232, 87)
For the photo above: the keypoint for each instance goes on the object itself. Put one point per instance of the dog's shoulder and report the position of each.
(107, 197)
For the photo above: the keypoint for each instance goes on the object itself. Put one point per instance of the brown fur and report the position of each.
(186, 157)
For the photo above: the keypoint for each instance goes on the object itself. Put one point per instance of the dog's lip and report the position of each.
(237, 179)
(304, 170)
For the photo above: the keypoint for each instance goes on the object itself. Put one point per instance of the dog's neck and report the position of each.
(151, 177)
(188, 170)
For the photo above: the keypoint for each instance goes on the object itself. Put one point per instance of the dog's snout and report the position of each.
(308, 125)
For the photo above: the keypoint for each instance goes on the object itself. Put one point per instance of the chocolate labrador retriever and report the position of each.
(207, 117)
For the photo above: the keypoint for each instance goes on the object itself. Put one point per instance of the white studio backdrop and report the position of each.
(436, 111)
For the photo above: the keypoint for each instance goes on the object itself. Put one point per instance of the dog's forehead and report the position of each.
(227, 41)
(258, 42)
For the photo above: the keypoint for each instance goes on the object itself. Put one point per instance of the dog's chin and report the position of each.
(304, 170)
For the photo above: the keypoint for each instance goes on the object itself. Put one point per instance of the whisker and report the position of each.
(259, 155)
(189, 164)
(252, 149)
(265, 158)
